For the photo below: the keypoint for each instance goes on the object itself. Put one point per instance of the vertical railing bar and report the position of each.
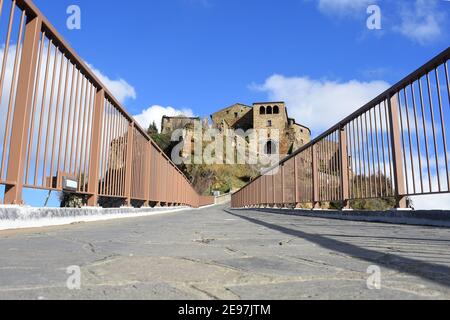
(374, 179)
(417, 137)
(6, 50)
(410, 140)
(331, 147)
(55, 127)
(322, 168)
(377, 142)
(366, 131)
(444, 135)
(332, 171)
(403, 139)
(315, 175)
(112, 152)
(105, 127)
(386, 191)
(357, 155)
(448, 82)
(73, 84)
(115, 150)
(50, 113)
(129, 144)
(366, 193)
(87, 167)
(64, 125)
(436, 151)
(354, 161)
(351, 158)
(74, 119)
(81, 110)
(117, 127)
(389, 142)
(327, 159)
(109, 151)
(41, 115)
(107, 148)
(89, 133)
(1, 7)
(101, 166)
(11, 93)
(362, 180)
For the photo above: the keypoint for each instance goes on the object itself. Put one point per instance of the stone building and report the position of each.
(269, 116)
(170, 124)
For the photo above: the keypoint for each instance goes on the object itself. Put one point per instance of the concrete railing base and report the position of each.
(436, 218)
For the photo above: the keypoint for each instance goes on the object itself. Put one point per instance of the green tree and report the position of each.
(152, 129)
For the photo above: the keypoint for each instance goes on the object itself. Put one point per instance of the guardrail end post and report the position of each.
(22, 113)
(397, 155)
(94, 161)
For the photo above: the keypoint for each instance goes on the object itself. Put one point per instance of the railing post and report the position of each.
(282, 186)
(94, 160)
(296, 185)
(22, 111)
(274, 190)
(345, 194)
(399, 177)
(129, 163)
(147, 177)
(315, 175)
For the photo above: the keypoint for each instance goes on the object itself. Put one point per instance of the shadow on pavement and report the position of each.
(439, 274)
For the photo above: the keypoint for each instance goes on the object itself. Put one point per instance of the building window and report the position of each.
(269, 110)
(270, 148)
(262, 110)
(276, 110)
(269, 123)
(236, 115)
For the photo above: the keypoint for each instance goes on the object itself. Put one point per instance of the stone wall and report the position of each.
(232, 115)
(170, 124)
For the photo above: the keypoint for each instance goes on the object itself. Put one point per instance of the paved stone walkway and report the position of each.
(216, 253)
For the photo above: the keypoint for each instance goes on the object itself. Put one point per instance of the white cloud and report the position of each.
(344, 7)
(121, 89)
(421, 21)
(320, 104)
(155, 113)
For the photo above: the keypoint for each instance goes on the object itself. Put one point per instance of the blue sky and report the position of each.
(197, 56)
(206, 54)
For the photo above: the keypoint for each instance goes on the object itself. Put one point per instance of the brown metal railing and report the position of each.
(393, 147)
(58, 121)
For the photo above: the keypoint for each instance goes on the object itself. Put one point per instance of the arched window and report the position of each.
(269, 110)
(271, 147)
(262, 110)
(276, 110)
